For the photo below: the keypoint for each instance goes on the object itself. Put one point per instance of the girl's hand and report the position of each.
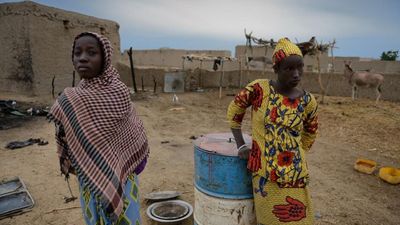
(244, 152)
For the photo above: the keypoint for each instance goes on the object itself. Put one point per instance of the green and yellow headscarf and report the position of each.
(284, 48)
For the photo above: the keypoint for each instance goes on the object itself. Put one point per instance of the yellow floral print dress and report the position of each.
(283, 130)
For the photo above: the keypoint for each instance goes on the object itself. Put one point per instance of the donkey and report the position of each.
(363, 79)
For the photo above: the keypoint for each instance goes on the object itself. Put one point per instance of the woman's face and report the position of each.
(88, 57)
(290, 70)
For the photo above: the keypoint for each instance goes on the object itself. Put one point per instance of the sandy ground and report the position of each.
(349, 130)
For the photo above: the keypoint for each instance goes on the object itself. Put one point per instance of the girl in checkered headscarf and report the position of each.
(284, 125)
(99, 136)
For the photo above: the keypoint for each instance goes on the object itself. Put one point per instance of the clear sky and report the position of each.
(361, 27)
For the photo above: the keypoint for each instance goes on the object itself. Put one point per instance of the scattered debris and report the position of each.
(199, 90)
(7, 104)
(43, 142)
(20, 144)
(14, 115)
(164, 142)
(177, 109)
(345, 114)
(72, 198)
(9, 107)
(61, 209)
(14, 197)
(69, 199)
(38, 111)
(175, 99)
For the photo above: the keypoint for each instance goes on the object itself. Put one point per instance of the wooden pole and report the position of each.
(323, 91)
(132, 69)
(141, 78)
(155, 84)
(265, 60)
(52, 85)
(201, 65)
(240, 73)
(245, 61)
(221, 79)
(247, 68)
(333, 68)
(332, 58)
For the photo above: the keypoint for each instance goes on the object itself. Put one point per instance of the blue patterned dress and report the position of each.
(94, 214)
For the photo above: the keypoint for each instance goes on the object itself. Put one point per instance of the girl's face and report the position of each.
(290, 71)
(88, 57)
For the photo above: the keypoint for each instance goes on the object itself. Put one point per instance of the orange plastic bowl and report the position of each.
(365, 166)
(390, 175)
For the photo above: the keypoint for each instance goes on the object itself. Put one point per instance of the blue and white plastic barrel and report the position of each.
(223, 186)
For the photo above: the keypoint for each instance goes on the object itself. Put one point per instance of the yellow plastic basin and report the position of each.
(390, 175)
(365, 166)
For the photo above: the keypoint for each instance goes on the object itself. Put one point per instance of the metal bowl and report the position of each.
(162, 195)
(169, 211)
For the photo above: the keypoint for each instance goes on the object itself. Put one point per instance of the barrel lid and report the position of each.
(220, 143)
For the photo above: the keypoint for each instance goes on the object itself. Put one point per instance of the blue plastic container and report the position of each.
(219, 172)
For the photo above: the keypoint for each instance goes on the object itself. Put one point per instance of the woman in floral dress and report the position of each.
(284, 126)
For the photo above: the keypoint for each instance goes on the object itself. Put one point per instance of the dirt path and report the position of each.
(341, 195)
